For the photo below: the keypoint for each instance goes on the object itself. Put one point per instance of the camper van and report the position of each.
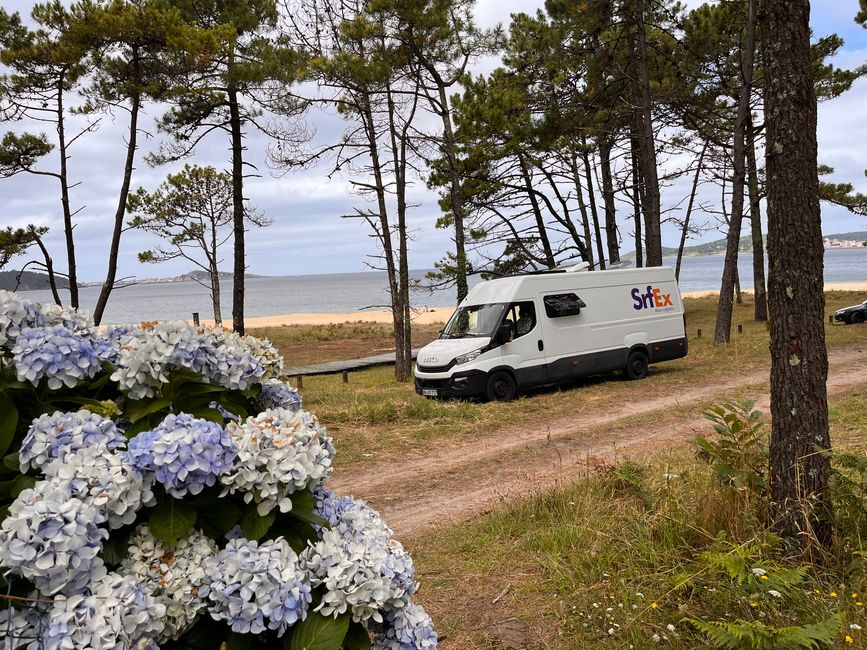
(517, 332)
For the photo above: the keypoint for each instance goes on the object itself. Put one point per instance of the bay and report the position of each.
(347, 292)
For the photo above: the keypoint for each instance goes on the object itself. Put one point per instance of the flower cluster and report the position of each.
(362, 568)
(52, 436)
(55, 354)
(408, 628)
(108, 482)
(62, 530)
(114, 612)
(278, 394)
(173, 576)
(184, 453)
(279, 452)
(111, 341)
(146, 358)
(52, 539)
(257, 587)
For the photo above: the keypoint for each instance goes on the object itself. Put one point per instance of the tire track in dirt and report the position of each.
(456, 483)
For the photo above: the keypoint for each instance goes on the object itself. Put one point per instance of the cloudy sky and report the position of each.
(308, 234)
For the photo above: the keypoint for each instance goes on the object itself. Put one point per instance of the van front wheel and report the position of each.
(502, 387)
(636, 365)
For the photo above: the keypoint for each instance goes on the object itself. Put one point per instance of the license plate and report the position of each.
(429, 392)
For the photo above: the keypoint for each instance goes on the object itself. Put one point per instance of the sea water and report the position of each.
(346, 292)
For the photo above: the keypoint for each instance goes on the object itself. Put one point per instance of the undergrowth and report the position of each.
(638, 555)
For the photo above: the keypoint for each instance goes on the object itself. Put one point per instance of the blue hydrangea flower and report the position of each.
(278, 394)
(52, 539)
(55, 354)
(410, 628)
(109, 342)
(257, 587)
(184, 453)
(52, 436)
(114, 612)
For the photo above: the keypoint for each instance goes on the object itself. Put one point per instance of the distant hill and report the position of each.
(718, 246)
(30, 281)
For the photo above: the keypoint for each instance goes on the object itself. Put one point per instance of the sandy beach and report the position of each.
(439, 314)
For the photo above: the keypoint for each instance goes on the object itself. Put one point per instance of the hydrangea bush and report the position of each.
(161, 487)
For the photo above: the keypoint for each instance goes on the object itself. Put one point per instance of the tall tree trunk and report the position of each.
(608, 199)
(582, 206)
(651, 201)
(722, 333)
(799, 475)
(214, 272)
(591, 196)
(761, 306)
(637, 199)
(537, 212)
(239, 268)
(385, 233)
(403, 354)
(455, 197)
(739, 296)
(71, 269)
(49, 269)
(684, 231)
(120, 212)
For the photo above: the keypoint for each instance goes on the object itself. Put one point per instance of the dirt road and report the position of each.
(458, 482)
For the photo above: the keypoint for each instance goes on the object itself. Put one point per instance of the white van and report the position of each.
(542, 328)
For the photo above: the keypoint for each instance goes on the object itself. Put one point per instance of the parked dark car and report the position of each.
(852, 315)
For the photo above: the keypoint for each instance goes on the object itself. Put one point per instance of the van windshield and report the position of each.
(473, 321)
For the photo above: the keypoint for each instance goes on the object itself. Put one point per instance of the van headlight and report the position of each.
(466, 358)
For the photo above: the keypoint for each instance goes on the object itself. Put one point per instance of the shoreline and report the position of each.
(432, 315)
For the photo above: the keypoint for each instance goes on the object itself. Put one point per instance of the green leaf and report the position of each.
(357, 638)
(11, 461)
(237, 641)
(171, 520)
(135, 410)
(20, 484)
(115, 548)
(218, 519)
(8, 422)
(304, 508)
(254, 525)
(318, 632)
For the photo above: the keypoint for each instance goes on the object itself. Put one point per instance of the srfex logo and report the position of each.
(653, 297)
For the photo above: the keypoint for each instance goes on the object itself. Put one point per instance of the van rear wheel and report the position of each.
(501, 387)
(636, 365)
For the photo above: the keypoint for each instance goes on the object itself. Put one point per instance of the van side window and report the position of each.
(523, 318)
(563, 304)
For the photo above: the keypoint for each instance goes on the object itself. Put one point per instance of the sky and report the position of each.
(309, 234)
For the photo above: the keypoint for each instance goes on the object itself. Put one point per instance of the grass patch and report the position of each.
(621, 558)
(374, 416)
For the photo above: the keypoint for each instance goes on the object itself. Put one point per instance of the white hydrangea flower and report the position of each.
(115, 613)
(53, 539)
(14, 313)
(173, 576)
(279, 452)
(105, 480)
(145, 359)
(266, 354)
(362, 567)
